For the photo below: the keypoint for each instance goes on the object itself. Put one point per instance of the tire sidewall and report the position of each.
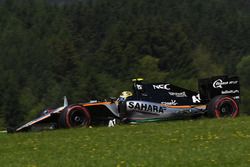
(65, 117)
(213, 111)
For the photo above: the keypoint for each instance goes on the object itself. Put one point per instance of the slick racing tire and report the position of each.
(74, 116)
(223, 106)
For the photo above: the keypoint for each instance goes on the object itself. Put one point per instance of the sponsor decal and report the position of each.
(171, 103)
(162, 86)
(145, 107)
(233, 82)
(180, 94)
(229, 92)
(139, 87)
(185, 111)
(112, 123)
(196, 99)
(236, 97)
(219, 83)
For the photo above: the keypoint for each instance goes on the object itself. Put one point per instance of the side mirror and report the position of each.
(112, 99)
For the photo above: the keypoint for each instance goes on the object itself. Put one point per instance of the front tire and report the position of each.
(74, 116)
(223, 106)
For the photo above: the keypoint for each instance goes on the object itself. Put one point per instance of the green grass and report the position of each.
(204, 142)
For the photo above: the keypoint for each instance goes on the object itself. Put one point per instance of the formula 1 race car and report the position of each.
(217, 97)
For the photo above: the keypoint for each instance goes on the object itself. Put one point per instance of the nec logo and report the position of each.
(162, 86)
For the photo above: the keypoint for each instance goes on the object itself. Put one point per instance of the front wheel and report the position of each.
(74, 116)
(223, 106)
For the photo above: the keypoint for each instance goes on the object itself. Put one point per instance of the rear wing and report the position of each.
(219, 85)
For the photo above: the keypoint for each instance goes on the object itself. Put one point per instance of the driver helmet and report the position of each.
(124, 95)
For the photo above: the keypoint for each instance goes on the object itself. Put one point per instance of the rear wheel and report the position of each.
(74, 116)
(223, 106)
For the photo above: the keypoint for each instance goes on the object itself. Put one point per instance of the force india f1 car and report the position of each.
(217, 97)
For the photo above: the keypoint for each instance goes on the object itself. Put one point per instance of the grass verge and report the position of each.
(204, 142)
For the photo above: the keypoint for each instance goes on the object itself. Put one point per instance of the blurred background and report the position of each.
(91, 49)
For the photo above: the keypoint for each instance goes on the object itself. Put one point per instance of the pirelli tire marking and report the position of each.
(148, 107)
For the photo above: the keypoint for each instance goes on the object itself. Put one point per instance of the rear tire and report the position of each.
(223, 106)
(74, 116)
